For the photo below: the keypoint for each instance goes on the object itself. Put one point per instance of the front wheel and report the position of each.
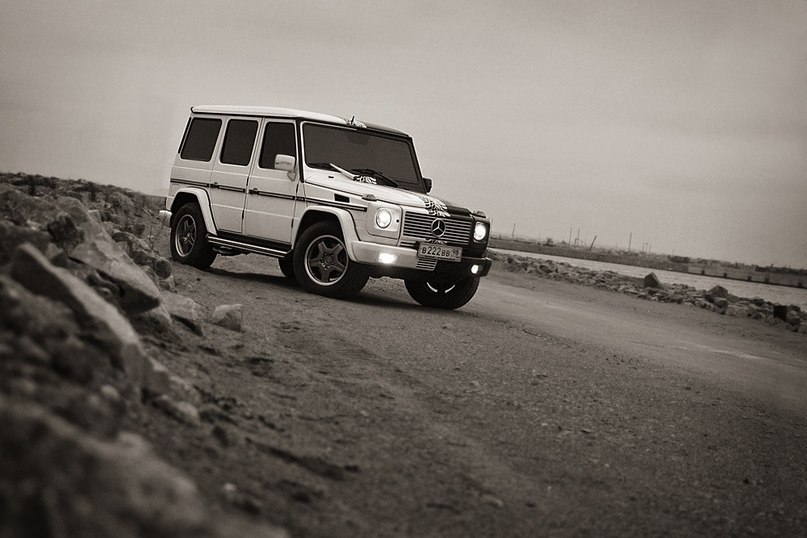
(443, 291)
(322, 266)
(189, 238)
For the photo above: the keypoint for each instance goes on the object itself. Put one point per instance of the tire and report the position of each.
(443, 291)
(286, 265)
(189, 238)
(322, 266)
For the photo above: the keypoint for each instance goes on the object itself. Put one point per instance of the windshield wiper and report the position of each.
(375, 174)
(359, 173)
(323, 165)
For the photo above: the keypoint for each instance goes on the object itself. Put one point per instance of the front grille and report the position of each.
(418, 227)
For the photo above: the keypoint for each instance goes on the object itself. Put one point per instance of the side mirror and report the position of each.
(428, 182)
(285, 162)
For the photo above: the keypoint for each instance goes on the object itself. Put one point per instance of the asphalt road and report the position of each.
(739, 356)
(541, 408)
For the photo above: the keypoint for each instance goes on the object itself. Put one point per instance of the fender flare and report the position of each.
(204, 204)
(345, 222)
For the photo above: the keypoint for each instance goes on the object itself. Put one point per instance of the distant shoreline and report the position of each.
(774, 276)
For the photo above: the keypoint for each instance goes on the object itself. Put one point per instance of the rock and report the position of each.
(716, 292)
(64, 232)
(186, 311)
(35, 272)
(182, 390)
(12, 236)
(738, 311)
(780, 312)
(162, 267)
(157, 377)
(56, 256)
(130, 240)
(721, 303)
(652, 281)
(88, 487)
(99, 251)
(793, 318)
(158, 317)
(228, 316)
(181, 411)
(110, 393)
(168, 284)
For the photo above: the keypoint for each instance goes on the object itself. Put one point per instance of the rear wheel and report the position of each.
(443, 291)
(189, 238)
(322, 266)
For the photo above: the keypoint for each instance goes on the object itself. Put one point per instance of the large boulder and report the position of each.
(99, 251)
(55, 480)
(31, 269)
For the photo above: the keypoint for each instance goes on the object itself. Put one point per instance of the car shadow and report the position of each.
(274, 280)
(366, 298)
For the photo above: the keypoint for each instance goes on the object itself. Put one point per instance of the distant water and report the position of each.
(740, 288)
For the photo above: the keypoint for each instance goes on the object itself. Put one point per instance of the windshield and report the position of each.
(363, 153)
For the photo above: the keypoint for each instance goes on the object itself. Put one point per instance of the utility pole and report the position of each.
(570, 235)
(630, 239)
(514, 231)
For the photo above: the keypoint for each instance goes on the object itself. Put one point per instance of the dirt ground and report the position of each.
(378, 417)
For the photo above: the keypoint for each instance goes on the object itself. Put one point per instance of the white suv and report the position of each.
(336, 201)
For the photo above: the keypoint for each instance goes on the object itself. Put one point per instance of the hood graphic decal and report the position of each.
(433, 206)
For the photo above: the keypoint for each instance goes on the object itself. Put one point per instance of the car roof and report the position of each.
(287, 113)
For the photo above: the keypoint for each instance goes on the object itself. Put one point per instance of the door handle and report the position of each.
(215, 185)
(254, 191)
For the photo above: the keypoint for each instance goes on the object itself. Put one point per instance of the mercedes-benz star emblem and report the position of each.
(438, 227)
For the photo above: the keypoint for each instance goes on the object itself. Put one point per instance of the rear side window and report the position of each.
(201, 139)
(278, 138)
(238, 142)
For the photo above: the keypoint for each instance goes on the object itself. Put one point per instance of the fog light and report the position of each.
(386, 257)
(475, 269)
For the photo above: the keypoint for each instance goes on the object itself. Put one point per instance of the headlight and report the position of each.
(480, 231)
(383, 218)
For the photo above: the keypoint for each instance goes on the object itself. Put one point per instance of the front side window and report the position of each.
(238, 142)
(278, 138)
(362, 152)
(200, 139)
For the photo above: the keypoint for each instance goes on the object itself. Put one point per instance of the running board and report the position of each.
(246, 247)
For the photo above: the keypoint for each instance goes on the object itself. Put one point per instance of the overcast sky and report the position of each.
(682, 122)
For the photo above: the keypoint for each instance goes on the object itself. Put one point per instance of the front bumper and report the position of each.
(406, 259)
(165, 217)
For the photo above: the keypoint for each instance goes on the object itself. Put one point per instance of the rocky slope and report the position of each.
(716, 299)
(83, 300)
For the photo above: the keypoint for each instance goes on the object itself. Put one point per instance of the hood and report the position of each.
(384, 193)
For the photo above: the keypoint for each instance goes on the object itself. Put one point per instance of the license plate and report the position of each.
(440, 252)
